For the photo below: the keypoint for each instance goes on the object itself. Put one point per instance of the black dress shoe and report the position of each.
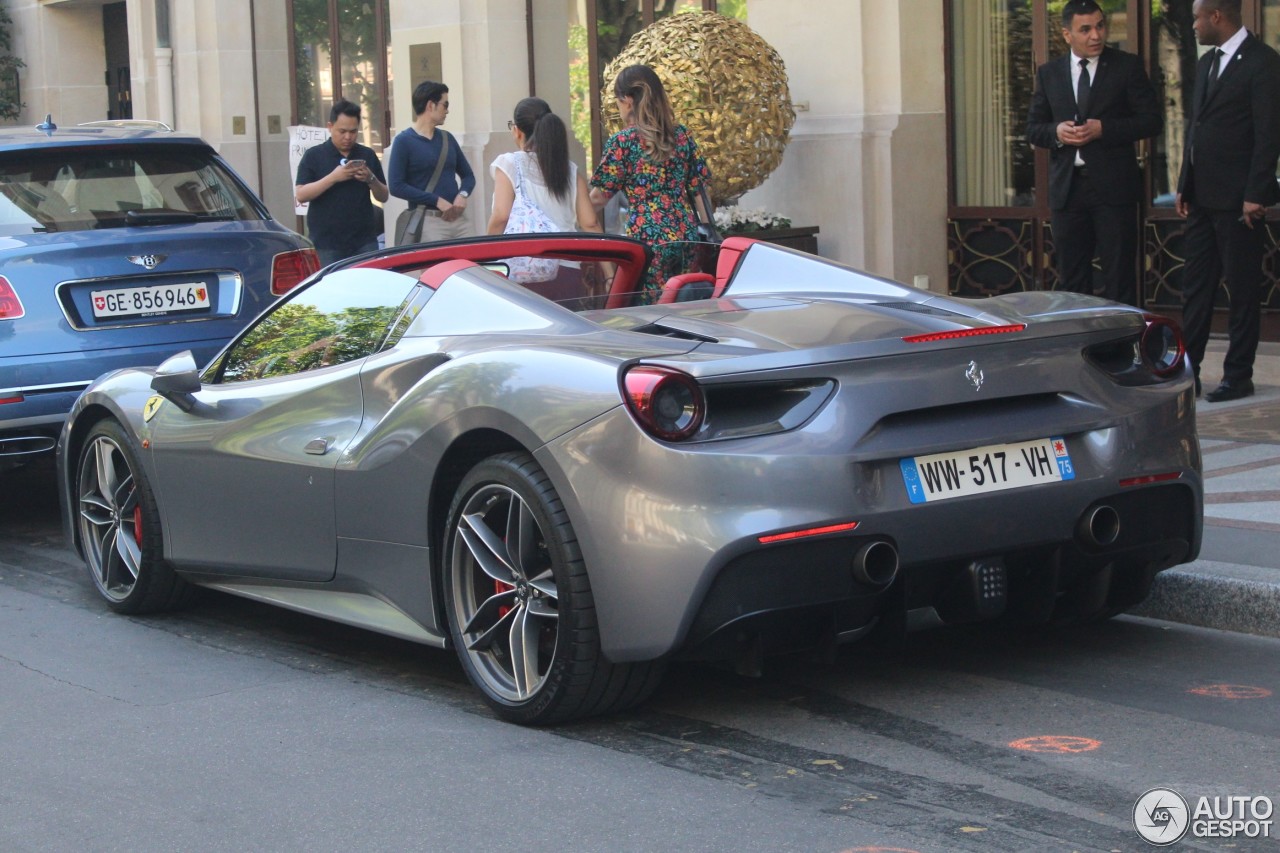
(1231, 390)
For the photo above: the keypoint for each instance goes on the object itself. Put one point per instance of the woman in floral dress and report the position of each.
(655, 162)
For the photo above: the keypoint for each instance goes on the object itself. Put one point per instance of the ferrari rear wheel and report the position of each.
(519, 604)
(119, 527)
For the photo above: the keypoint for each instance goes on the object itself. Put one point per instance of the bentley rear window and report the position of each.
(70, 190)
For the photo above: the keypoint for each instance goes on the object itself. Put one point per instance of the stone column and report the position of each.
(164, 85)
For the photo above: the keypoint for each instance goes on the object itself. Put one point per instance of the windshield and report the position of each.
(69, 190)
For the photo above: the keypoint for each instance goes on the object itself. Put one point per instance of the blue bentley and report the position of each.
(121, 244)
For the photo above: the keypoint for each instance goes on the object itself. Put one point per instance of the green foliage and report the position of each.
(357, 55)
(300, 337)
(10, 106)
(580, 89)
(733, 9)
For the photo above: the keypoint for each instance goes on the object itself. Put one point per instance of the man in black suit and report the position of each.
(1089, 108)
(1228, 180)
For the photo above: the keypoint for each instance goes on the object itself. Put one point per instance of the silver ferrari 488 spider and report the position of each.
(571, 487)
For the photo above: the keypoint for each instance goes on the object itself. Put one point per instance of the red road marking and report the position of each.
(1231, 691)
(1056, 743)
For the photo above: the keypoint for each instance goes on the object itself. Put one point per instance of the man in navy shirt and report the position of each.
(336, 178)
(411, 164)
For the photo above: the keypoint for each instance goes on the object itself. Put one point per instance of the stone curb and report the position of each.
(1214, 601)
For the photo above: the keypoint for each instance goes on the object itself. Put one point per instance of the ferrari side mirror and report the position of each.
(177, 380)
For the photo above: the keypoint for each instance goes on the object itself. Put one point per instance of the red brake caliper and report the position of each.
(137, 524)
(499, 587)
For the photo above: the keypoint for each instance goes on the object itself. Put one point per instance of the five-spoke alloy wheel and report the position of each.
(119, 528)
(519, 603)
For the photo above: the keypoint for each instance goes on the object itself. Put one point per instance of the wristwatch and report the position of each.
(464, 193)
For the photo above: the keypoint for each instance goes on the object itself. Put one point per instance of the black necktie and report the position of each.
(1213, 75)
(1082, 90)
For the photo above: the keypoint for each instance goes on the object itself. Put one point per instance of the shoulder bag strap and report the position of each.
(519, 173)
(444, 154)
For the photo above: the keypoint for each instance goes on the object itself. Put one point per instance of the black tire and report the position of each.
(537, 583)
(119, 527)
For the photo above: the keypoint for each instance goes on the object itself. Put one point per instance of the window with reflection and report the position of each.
(1174, 52)
(1270, 32)
(312, 61)
(992, 78)
(340, 51)
(341, 318)
(993, 71)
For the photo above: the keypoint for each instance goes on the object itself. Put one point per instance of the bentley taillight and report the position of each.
(289, 269)
(10, 305)
(666, 403)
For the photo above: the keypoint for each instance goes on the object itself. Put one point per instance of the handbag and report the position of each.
(707, 231)
(707, 251)
(409, 225)
(409, 222)
(527, 218)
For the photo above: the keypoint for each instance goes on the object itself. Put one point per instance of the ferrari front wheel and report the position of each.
(119, 527)
(519, 604)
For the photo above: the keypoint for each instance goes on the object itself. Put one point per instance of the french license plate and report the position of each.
(986, 469)
(151, 300)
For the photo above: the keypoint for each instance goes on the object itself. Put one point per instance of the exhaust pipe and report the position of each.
(1100, 525)
(876, 564)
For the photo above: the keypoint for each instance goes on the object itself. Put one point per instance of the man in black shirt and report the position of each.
(336, 178)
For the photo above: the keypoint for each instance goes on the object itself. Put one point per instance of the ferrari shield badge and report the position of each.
(152, 406)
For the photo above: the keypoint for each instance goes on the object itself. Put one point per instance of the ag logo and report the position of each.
(1161, 816)
(152, 406)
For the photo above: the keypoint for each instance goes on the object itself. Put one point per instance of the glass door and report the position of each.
(1172, 52)
(998, 234)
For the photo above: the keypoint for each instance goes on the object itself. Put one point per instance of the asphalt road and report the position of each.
(236, 726)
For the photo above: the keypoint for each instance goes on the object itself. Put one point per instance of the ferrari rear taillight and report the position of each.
(953, 334)
(1161, 345)
(10, 305)
(666, 403)
(289, 269)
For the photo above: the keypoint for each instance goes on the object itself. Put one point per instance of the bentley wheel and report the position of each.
(119, 527)
(519, 603)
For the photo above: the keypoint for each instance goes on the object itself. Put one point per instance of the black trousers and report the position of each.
(1088, 227)
(1217, 243)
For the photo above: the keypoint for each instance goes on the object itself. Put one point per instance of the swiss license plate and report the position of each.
(986, 469)
(151, 300)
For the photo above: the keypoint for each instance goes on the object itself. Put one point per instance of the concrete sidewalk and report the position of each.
(1235, 585)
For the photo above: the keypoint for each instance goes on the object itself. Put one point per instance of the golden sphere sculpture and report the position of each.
(726, 85)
